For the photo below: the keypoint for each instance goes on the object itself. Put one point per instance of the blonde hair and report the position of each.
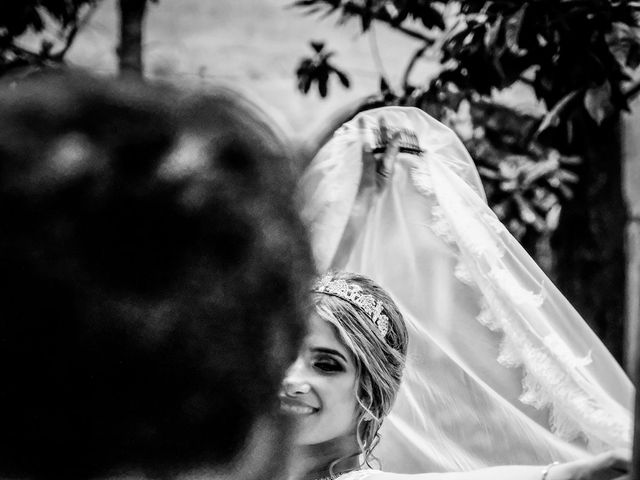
(379, 359)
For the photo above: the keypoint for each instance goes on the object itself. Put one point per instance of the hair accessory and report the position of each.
(354, 294)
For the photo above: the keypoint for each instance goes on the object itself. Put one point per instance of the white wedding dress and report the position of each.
(501, 369)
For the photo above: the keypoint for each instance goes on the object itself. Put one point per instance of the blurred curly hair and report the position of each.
(153, 276)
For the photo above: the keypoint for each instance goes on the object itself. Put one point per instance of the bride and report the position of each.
(500, 369)
(344, 383)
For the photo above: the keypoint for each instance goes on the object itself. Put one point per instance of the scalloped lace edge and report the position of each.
(540, 376)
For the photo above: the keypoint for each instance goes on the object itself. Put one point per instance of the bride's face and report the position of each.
(319, 388)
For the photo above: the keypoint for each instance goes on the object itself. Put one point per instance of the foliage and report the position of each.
(566, 50)
(52, 25)
(318, 69)
(524, 180)
(574, 54)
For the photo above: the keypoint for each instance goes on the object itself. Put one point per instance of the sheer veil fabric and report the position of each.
(501, 369)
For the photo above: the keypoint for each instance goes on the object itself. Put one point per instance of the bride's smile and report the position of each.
(295, 407)
(319, 387)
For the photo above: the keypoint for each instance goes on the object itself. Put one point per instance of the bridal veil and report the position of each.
(501, 368)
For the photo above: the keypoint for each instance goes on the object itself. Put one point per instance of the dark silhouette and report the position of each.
(153, 274)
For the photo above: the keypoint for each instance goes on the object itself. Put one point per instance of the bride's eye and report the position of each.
(327, 365)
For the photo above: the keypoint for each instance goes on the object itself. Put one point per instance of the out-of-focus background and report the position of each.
(253, 45)
(543, 93)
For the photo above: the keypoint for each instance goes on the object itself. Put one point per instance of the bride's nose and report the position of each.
(295, 382)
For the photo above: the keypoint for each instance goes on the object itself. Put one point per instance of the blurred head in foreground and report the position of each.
(152, 281)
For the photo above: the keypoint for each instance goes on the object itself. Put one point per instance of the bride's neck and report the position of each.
(311, 462)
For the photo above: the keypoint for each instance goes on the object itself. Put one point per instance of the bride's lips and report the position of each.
(296, 407)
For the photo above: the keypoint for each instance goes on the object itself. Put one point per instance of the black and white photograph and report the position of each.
(319, 239)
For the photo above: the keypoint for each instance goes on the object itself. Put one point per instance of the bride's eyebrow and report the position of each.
(329, 351)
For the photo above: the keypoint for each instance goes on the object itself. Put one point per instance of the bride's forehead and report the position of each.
(321, 333)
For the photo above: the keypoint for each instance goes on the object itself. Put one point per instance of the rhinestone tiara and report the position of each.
(354, 294)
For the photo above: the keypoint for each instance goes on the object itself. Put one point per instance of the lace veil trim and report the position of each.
(551, 371)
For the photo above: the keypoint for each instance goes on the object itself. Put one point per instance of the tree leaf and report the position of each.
(597, 101)
(365, 18)
(312, 11)
(344, 79)
(552, 119)
(431, 18)
(512, 31)
(528, 215)
(492, 33)
(35, 19)
(304, 67)
(633, 56)
(304, 83)
(304, 3)
(384, 86)
(323, 84)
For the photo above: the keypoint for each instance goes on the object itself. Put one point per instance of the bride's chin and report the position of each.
(302, 438)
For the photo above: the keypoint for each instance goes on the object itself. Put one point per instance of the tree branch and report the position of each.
(632, 91)
(412, 62)
(353, 8)
(132, 14)
(77, 26)
(23, 52)
(552, 118)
